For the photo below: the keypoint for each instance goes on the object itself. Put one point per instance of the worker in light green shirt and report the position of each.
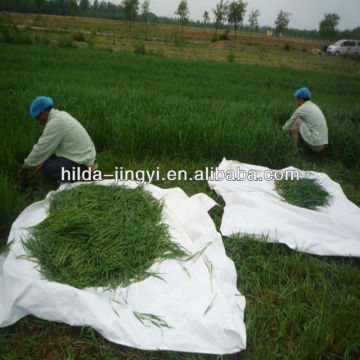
(64, 144)
(309, 122)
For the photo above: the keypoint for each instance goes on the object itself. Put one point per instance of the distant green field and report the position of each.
(147, 111)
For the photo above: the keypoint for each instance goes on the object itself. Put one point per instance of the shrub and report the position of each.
(91, 43)
(45, 40)
(231, 56)
(25, 38)
(15, 37)
(79, 36)
(156, 52)
(140, 48)
(215, 37)
(225, 35)
(66, 42)
(250, 43)
(5, 35)
(177, 38)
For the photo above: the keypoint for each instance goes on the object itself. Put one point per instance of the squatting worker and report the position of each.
(309, 122)
(64, 142)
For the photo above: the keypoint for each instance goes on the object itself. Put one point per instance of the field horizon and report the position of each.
(173, 41)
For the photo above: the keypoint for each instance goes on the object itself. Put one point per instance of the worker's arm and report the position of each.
(296, 114)
(47, 144)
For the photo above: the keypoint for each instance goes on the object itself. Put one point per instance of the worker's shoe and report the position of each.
(94, 166)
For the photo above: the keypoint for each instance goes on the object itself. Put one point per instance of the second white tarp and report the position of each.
(255, 207)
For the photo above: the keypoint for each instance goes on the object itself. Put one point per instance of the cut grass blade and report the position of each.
(209, 266)
(195, 256)
(185, 269)
(4, 249)
(148, 319)
(210, 305)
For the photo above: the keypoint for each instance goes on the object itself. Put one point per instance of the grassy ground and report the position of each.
(147, 111)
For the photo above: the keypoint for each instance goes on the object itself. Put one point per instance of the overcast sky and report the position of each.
(306, 14)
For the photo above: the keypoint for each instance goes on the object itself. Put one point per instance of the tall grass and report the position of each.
(137, 107)
(11, 202)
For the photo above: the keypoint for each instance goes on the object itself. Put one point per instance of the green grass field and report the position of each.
(144, 111)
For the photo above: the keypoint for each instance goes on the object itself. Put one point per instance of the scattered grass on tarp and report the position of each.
(101, 236)
(4, 249)
(305, 192)
(151, 319)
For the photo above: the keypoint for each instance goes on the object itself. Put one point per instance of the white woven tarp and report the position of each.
(255, 207)
(198, 299)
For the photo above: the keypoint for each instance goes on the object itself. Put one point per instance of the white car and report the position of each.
(344, 47)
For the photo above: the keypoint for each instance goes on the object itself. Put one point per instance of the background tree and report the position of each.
(84, 6)
(61, 7)
(253, 20)
(103, 8)
(206, 18)
(220, 13)
(145, 10)
(95, 6)
(327, 26)
(236, 13)
(183, 13)
(72, 7)
(131, 8)
(282, 22)
(40, 5)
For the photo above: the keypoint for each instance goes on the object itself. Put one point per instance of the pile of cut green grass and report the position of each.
(101, 236)
(306, 193)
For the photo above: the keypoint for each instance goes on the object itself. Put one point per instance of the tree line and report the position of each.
(226, 15)
(233, 13)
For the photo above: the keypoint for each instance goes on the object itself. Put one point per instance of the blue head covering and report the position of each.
(39, 104)
(303, 93)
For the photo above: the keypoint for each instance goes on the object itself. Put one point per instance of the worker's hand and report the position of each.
(23, 172)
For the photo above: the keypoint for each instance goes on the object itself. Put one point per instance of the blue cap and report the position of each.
(303, 93)
(39, 104)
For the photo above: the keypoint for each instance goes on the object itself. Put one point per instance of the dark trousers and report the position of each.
(53, 168)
